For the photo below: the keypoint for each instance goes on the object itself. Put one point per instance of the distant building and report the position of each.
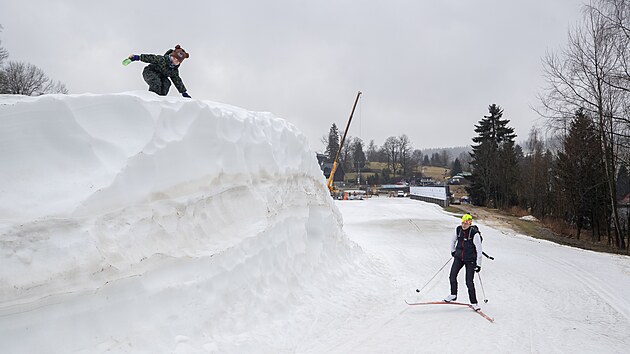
(326, 167)
(321, 158)
(339, 174)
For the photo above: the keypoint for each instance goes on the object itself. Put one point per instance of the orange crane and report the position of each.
(331, 188)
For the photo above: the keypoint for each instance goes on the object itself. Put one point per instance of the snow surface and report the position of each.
(136, 223)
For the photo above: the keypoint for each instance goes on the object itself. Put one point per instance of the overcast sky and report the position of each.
(428, 69)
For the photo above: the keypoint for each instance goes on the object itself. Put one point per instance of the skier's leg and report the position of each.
(470, 274)
(166, 85)
(153, 79)
(455, 268)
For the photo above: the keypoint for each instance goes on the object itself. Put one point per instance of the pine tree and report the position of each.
(493, 161)
(581, 175)
(358, 156)
(332, 143)
(456, 168)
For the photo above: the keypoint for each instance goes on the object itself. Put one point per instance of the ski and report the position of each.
(436, 303)
(490, 319)
(484, 315)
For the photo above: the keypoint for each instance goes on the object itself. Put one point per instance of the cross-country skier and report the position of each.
(466, 251)
(161, 68)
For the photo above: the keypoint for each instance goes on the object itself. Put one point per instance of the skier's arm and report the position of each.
(179, 84)
(453, 241)
(151, 58)
(478, 247)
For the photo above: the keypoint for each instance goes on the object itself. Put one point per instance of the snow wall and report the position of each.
(165, 209)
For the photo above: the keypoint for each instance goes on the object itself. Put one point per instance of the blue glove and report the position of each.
(185, 94)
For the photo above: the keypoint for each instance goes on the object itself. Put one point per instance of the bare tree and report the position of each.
(580, 79)
(616, 15)
(534, 176)
(404, 153)
(372, 152)
(416, 158)
(27, 79)
(392, 150)
(4, 54)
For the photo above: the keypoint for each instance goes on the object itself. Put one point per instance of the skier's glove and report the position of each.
(185, 94)
(477, 269)
(130, 58)
(453, 253)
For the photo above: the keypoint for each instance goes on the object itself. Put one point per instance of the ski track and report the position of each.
(589, 281)
(523, 284)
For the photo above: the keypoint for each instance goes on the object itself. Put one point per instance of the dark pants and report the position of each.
(470, 274)
(157, 83)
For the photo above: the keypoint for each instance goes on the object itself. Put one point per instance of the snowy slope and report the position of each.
(156, 224)
(545, 298)
(138, 224)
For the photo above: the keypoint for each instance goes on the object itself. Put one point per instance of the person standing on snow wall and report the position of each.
(161, 68)
(466, 251)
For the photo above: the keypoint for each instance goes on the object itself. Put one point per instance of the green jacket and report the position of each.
(161, 64)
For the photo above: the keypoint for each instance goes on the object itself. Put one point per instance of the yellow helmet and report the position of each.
(466, 217)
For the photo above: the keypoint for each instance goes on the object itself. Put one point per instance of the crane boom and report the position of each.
(336, 161)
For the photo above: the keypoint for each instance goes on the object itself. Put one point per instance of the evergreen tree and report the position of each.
(623, 182)
(494, 161)
(456, 168)
(358, 156)
(581, 175)
(436, 160)
(444, 158)
(332, 145)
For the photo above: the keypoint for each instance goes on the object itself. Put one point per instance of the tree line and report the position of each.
(402, 161)
(578, 176)
(586, 105)
(21, 78)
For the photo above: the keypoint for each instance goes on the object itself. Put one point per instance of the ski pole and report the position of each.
(485, 299)
(436, 273)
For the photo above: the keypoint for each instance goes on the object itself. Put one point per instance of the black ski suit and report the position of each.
(158, 72)
(466, 251)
